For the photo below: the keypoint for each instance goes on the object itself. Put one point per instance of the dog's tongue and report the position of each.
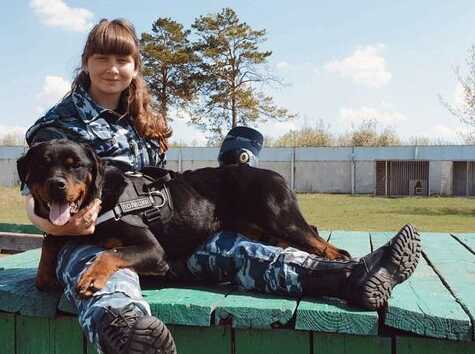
(59, 214)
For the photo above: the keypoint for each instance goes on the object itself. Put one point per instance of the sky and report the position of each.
(341, 62)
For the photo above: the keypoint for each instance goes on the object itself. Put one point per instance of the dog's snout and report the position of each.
(57, 184)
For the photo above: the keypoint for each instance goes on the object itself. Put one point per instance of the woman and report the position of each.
(108, 108)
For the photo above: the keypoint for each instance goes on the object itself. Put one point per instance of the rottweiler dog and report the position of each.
(64, 176)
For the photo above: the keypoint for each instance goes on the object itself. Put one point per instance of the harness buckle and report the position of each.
(158, 193)
(151, 215)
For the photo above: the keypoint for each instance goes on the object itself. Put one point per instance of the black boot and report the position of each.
(370, 283)
(129, 331)
(366, 283)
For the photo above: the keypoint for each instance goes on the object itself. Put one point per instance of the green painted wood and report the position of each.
(34, 335)
(68, 336)
(333, 315)
(21, 228)
(18, 292)
(192, 307)
(253, 310)
(65, 306)
(275, 341)
(202, 340)
(324, 343)
(467, 239)
(7, 333)
(423, 305)
(418, 345)
(456, 265)
(28, 259)
(355, 242)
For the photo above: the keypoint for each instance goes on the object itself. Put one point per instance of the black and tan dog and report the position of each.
(64, 177)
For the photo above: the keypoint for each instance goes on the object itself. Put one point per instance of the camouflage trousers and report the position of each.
(225, 257)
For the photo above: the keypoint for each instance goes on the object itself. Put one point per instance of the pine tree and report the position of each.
(231, 69)
(169, 65)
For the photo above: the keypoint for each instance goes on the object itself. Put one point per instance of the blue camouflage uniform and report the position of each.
(226, 256)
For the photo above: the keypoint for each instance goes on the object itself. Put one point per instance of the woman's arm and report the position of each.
(82, 223)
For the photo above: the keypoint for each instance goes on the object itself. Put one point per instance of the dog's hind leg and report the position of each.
(280, 216)
(147, 258)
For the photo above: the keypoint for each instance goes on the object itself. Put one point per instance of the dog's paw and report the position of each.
(334, 253)
(91, 281)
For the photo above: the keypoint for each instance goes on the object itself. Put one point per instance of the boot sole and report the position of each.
(151, 336)
(403, 260)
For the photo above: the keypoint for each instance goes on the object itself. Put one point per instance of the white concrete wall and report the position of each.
(325, 170)
(323, 176)
(441, 177)
(365, 177)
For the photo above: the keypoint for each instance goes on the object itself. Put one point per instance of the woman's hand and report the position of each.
(82, 223)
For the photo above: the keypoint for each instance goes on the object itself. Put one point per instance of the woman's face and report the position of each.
(110, 74)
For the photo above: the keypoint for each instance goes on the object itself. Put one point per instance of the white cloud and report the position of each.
(56, 13)
(54, 88)
(365, 66)
(282, 65)
(385, 116)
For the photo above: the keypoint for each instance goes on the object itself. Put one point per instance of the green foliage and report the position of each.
(169, 64)
(230, 70)
(306, 137)
(366, 134)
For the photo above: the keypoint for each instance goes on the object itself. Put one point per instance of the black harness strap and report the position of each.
(153, 203)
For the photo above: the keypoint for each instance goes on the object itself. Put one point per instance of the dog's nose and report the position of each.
(58, 184)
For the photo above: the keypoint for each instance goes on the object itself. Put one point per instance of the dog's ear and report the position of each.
(97, 173)
(22, 166)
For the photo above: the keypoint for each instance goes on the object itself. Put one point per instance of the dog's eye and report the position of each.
(72, 163)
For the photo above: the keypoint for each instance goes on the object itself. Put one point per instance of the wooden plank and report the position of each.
(333, 315)
(423, 305)
(18, 292)
(28, 259)
(34, 335)
(456, 266)
(181, 306)
(467, 239)
(19, 242)
(350, 344)
(253, 310)
(20, 228)
(202, 340)
(7, 333)
(275, 341)
(418, 345)
(65, 306)
(68, 336)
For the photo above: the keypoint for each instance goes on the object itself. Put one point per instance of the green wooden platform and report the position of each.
(433, 312)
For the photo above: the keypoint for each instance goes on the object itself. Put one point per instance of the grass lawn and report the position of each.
(341, 212)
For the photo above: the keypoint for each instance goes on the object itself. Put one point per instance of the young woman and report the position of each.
(109, 108)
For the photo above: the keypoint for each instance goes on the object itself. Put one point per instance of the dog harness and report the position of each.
(152, 202)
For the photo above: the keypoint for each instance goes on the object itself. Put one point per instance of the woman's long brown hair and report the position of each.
(118, 37)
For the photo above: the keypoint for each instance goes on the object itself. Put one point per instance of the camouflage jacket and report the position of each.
(77, 117)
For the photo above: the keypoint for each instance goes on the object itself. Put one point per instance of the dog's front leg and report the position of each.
(147, 258)
(46, 276)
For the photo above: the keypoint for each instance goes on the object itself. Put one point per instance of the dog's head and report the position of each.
(63, 177)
